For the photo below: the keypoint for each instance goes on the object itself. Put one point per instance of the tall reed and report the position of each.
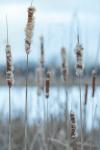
(47, 94)
(93, 82)
(79, 72)
(93, 95)
(28, 41)
(10, 81)
(85, 108)
(64, 72)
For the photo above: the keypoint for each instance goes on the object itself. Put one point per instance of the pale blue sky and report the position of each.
(54, 20)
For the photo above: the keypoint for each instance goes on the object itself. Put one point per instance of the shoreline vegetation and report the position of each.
(19, 72)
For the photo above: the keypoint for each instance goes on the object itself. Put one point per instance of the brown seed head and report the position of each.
(86, 93)
(9, 70)
(93, 82)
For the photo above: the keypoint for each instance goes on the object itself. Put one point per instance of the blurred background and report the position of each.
(58, 21)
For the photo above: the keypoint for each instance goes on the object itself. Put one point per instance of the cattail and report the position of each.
(93, 82)
(86, 93)
(28, 40)
(64, 72)
(47, 85)
(73, 125)
(64, 64)
(10, 82)
(79, 72)
(47, 92)
(29, 28)
(42, 51)
(79, 58)
(9, 71)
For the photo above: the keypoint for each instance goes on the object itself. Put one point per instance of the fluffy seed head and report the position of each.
(73, 125)
(29, 29)
(86, 93)
(47, 85)
(64, 64)
(9, 65)
(79, 59)
(42, 51)
(93, 82)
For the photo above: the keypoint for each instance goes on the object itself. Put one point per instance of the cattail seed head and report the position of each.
(31, 11)
(86, 93)
(47, 85)
(29, 28)
(42, 51)
(79, 59)
(73, 125)
(63, 54)
(9, 66)
(93, 82)
(64, 64)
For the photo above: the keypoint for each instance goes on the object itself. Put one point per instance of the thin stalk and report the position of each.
(38, 110)
(93, 121)
(47, 120)
(26, 107)
(32, 2)
(7, 28)
(10, 143)
(81, 113)
(67, 115)
(92, 124)
(85, 118)
(66, 106)
(44, 112)
(44, 118)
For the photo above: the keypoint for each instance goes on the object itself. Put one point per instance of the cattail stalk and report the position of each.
(93, 94)
(79, 71)
(40, 71)
(93, 122)
(42, 76)
(81, 113)
(26, 107)
(10, 81)
(65, 80)
(28, 41)
(47, 92)
(85, 107)
(10, 142)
